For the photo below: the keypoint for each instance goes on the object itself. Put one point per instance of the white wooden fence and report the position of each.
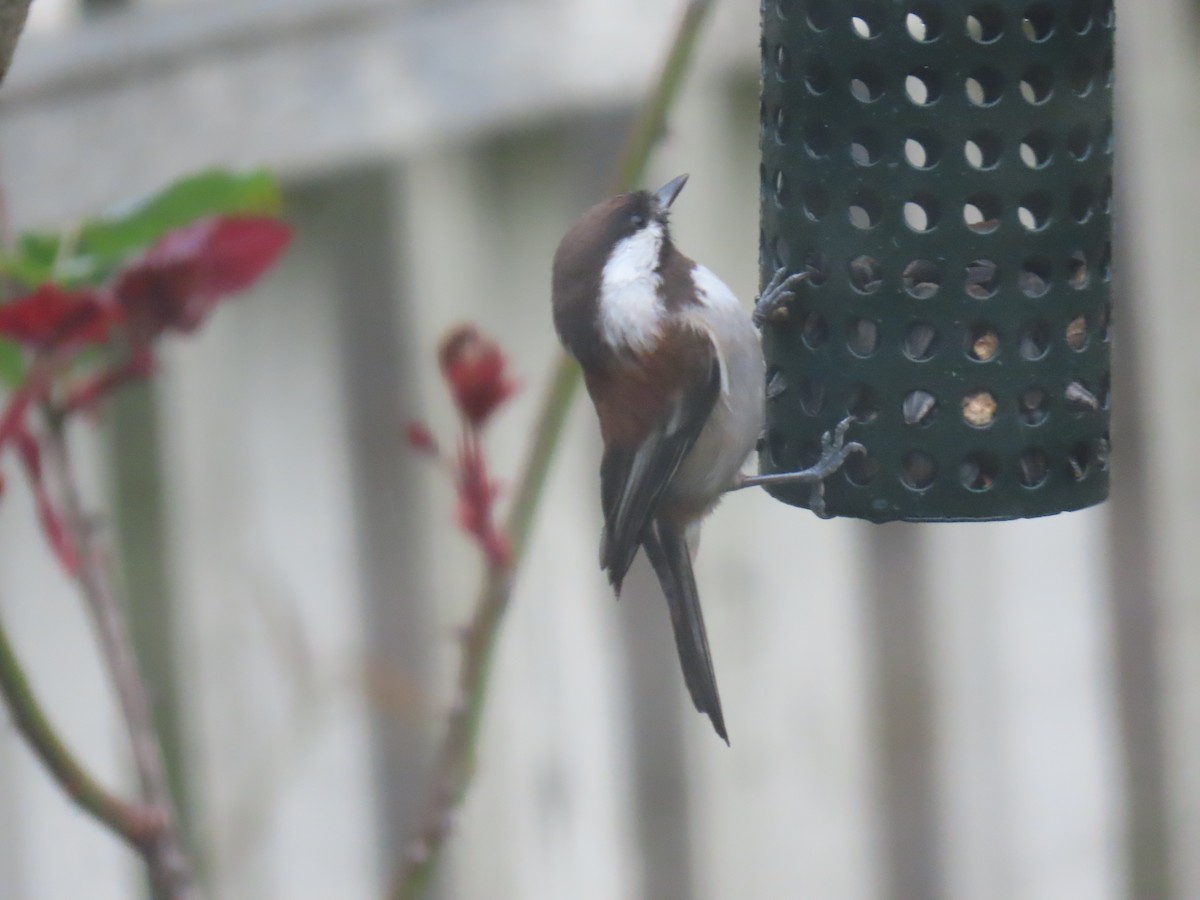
(969, 712)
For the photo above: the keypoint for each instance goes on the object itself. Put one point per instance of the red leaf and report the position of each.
(474, 367)
(53, 316)
(181, 278)
(230, 253)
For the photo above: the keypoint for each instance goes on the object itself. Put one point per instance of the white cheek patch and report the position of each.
(631, 308)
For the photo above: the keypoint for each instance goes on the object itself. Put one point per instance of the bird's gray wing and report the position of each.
(632, 480)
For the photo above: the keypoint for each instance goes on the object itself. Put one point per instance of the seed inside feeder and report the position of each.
(1034, 467)
(979, 408)
(919, 470)
(918, 407)
(920, 341)
(984, 343)
(1077, 333)
(863, 337)
(776, 384)
(1079, 397)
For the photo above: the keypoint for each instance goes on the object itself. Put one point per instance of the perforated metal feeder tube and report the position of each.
(943, 172)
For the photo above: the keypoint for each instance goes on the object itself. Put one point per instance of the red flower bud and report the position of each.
(474, 368)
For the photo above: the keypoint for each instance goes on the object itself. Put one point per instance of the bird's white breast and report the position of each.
(631, 306)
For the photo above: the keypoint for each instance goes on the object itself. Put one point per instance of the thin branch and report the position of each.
(170, 872)
(136, 824)
(455, 762)
(12, 22)
(652, 117)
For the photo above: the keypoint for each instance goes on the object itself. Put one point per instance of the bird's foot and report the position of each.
(772, 303)
(835, 450)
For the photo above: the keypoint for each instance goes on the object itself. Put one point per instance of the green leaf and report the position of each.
(96, 247)
(12, 364)
(210, 193)
(33, 260)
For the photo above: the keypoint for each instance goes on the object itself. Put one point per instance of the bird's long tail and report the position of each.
(667, 550)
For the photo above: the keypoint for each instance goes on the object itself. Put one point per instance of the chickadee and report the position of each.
(673, 365)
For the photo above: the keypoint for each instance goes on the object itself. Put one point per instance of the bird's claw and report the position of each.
(771, 304)
(834, 453)
(835, 450)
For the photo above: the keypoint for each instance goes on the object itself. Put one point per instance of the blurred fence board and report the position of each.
(1158, 54)
(261, 539)
(306, 85)
(1030, 791)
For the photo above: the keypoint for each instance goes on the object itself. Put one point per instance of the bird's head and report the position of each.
(619, 243)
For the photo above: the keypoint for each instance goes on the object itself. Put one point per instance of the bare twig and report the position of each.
(12, 21)
(169, 869)
(137, 824)
(455, 761)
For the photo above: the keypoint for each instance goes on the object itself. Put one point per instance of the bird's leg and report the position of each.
(772, 302)
(834, 452)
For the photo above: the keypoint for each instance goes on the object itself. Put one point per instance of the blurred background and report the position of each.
(969, 712)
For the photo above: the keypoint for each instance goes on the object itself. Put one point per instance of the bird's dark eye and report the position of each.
(637, 220)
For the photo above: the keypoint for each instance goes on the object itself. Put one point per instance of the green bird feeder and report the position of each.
(943, 173)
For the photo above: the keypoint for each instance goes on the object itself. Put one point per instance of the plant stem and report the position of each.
(170, 872)
(12, 21)
(455, 762)
(652, 117)
(134, 823)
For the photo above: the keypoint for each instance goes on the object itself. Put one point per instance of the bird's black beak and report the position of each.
(666, 194)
